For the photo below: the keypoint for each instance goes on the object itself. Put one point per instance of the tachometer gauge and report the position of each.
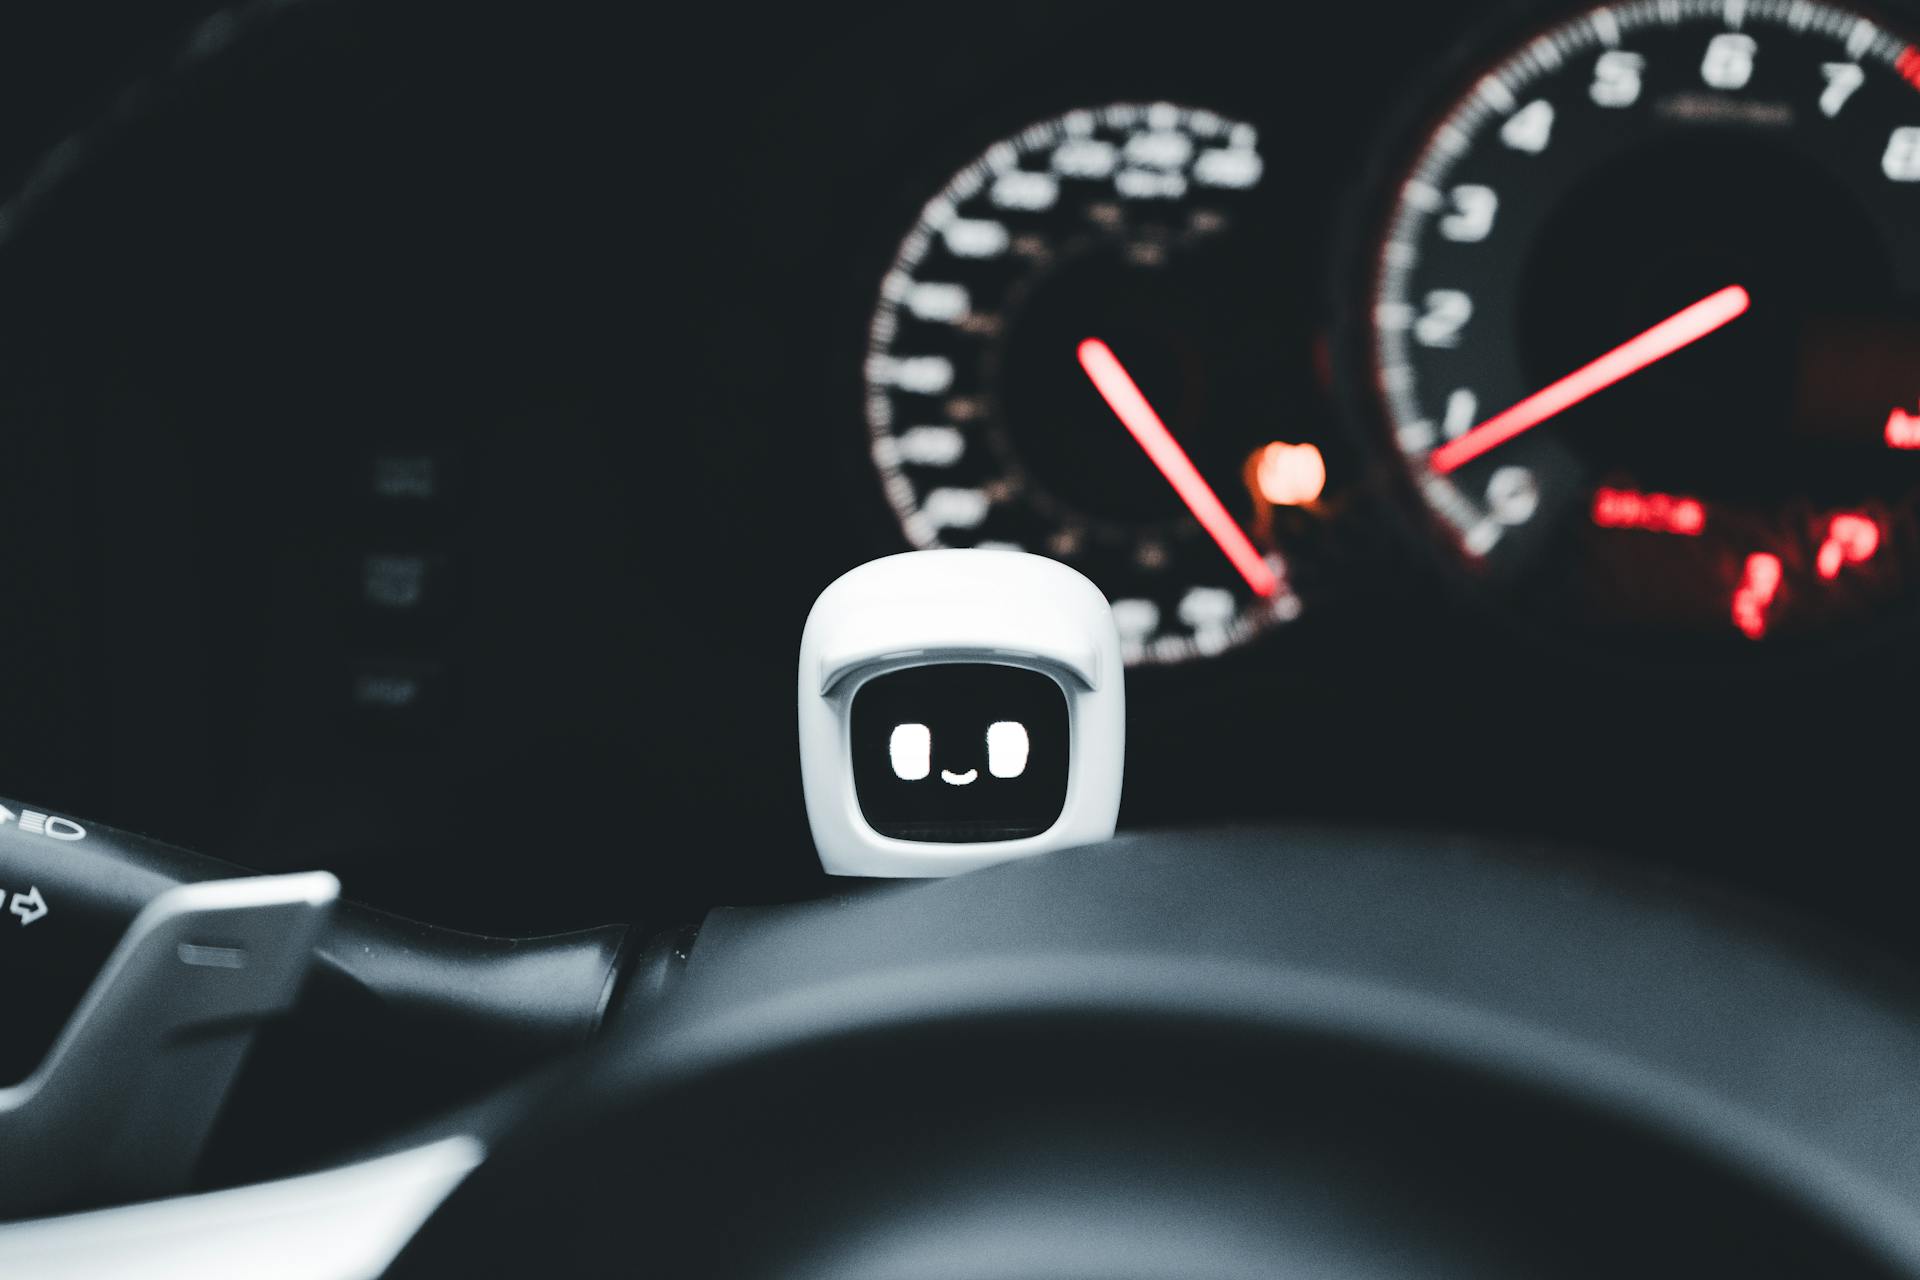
(1066, 358)
(1646, 323)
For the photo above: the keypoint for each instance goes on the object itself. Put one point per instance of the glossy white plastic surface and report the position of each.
(928, 607)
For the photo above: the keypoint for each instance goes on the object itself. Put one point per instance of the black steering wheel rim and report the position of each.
(1512, 1010)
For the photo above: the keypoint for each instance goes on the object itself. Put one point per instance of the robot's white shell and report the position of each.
(929, 607)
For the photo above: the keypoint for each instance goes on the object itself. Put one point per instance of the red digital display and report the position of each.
(1903, 429)
(1653, 512)
(1850, 540)
(1751, 599)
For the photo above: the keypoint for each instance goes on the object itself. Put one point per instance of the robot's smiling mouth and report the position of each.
(958, 779)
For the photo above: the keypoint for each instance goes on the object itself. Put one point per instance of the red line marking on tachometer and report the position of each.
(1908, 65)
(1129, 404)
(1678, 331)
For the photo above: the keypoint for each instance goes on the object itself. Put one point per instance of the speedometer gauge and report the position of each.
(1068, 357)
(1646, 323)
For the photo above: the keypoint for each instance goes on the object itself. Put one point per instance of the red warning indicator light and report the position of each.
(1851, 539)
(1903, 430)
(1908, 65)
(1751, 599)
(1653, 512)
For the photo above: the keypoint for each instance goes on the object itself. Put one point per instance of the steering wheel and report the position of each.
(1241, 1053)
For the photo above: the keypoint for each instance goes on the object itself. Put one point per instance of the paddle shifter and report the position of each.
(139, 972)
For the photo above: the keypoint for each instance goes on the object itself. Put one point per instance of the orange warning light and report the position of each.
(1289, 475)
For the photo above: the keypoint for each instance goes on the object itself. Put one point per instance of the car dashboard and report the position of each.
(429, 424)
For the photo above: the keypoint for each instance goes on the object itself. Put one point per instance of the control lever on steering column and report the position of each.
(138, 972)
(122, 1104)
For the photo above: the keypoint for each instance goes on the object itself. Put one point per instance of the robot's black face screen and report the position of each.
(960, 753)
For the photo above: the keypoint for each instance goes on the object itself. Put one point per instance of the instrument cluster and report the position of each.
(1632, 319)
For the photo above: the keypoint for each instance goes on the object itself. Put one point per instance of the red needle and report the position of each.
(1117, 388)
(1681, 329)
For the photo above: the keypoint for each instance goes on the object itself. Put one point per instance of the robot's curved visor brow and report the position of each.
(882, 633)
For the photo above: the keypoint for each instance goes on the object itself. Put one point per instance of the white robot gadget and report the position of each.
(958, 709)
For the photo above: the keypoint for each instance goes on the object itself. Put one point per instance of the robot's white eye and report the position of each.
(1006, 748)
(911, 751)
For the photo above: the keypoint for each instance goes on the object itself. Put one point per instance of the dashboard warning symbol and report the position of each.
(29, 906)
(49, 825)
